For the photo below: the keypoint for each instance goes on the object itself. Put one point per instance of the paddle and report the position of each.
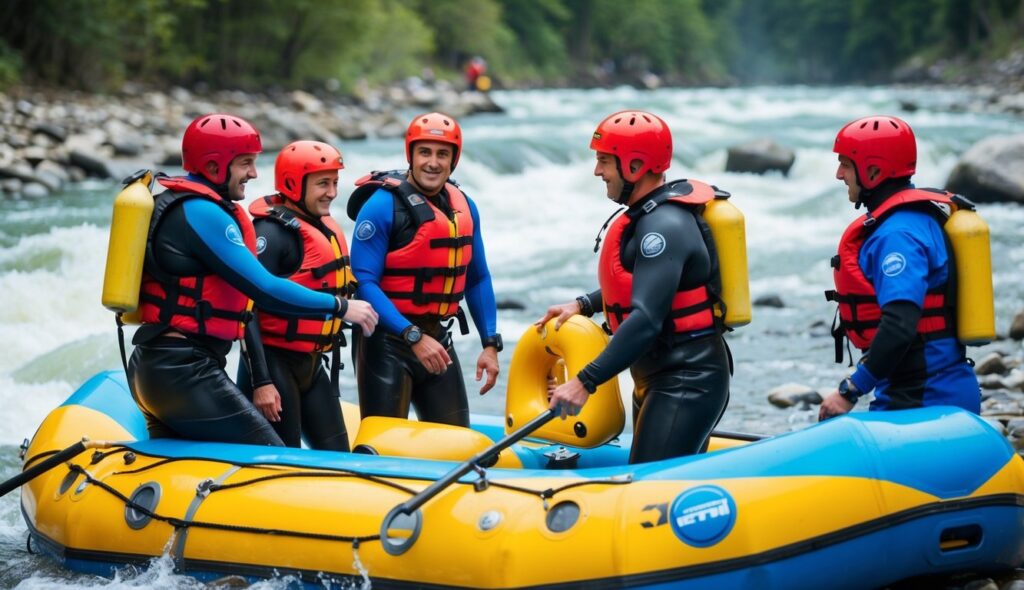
(405, 517)
(49, 463)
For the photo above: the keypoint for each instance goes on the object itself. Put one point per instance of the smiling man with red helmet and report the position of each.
(297, 238)
(200, 278)
(657, 290)
(417, 253)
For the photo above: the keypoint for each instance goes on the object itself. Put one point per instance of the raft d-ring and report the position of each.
(400, 530)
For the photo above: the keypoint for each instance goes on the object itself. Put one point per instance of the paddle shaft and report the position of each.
(42, 467)
(412, 504)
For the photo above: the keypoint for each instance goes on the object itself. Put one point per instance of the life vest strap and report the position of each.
(691, 309)
(337, 264)
(425, 274)
(420, 298)
(457, 242)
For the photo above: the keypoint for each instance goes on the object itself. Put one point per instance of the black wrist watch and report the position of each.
(848, 391)
(494, 341)
(412, 335)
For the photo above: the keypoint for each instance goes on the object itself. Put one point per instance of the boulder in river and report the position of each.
(992, 170)
(759, 156)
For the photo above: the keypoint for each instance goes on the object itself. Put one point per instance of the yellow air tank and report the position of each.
(975, 307)
(129, 229)
(729, 231)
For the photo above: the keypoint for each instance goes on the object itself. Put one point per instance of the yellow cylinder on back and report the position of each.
(975, 306)
(729, 231)
(126, 250)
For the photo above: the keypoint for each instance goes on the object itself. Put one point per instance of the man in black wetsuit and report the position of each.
(297, 238)
(658, 275)
(199, 277)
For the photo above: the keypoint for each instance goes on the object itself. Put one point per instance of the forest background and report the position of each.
(99, 45)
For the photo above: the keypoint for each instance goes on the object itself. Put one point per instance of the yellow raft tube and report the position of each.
(859, 501)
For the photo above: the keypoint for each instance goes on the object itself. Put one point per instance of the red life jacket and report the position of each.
(204, 304)
(324, 267)
(692, 309)
(859, 312)
(427, 275)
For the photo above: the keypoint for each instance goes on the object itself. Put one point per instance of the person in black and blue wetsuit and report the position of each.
(658, 279)
(894, 279)
(199, 276)
(417, 251)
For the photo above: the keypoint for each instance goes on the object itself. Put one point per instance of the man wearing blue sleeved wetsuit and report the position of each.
(199, 275)
(417, 251)
(894, 280)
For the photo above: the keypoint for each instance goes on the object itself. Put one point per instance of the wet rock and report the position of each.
(992, 170)
(982, 584)
(51, 130)
(306, 102)
(759, 156)
(34, 154)
(769, 301)
(93, 165)
(19, 170)
(1014, 380)
(34, 190)
(1017, 327)
(791, 394)
(1014, 584)
(511, 304)
(998, 408)
(1015, 434)
(125, 146)
(991, 364)
(819, 329)
(11, 186)
(24, 107)
(991, 381)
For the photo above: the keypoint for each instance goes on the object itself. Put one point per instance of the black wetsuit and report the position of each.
(180, 383)
(309, 402)
(682, 383)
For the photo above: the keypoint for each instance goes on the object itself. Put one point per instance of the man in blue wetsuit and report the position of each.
(895, 281)
(417, 251)
(658, 282)
(199, 277)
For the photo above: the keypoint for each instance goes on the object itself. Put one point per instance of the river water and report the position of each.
(530, 172)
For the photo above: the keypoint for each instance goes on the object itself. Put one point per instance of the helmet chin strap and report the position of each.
(627, 187)
(301, 203)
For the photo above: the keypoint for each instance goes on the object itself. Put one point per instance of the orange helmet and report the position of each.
(434, 127)
(219, 138)
(300, 158)
(635, 135)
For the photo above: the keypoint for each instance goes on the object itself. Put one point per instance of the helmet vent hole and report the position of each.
(617, 120)
(446, 122)
(288, 184)
(237, 124)
(323, 160)
(632, 121)
(894, 125)
(646, 118)
(223, 124)
(876, 126)
(864, 124)
(205, 121)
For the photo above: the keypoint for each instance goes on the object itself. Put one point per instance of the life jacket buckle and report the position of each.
(869, 221)
(649, 206)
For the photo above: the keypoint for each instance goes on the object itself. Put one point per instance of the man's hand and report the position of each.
(568, 398)
(432, 355)
(362, 314)
(487, 362)
(562, 311)
(268, 401)
(832, 406)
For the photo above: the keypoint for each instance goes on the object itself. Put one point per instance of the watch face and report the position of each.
(413, 335)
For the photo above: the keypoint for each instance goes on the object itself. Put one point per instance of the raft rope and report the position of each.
(207, 487)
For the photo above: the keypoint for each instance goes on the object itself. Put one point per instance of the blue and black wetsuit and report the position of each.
(681, 383)
(904, 258)
(178, 379)
(389, 375)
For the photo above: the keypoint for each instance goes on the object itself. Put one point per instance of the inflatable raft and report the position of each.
(859, 501)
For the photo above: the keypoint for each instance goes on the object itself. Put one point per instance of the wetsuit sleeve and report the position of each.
(370, 242)
(208, 230)
(655, 281)
(256, 359)
(896, 333)
(596, 300)
(278, 248)
(479, 287)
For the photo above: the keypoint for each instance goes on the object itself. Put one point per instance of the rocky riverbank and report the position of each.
(51, 137)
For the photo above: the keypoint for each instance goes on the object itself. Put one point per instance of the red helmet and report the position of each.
(434, 127)
(300, 158)
(219, 138)
(635, 135)
(885, 142)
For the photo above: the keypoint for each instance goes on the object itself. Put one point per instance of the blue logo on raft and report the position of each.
(703, 516)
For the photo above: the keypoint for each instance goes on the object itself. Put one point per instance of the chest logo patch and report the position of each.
(234, 235)
(893, 264)
(261, 244)
(652, 244)
(365, 230)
